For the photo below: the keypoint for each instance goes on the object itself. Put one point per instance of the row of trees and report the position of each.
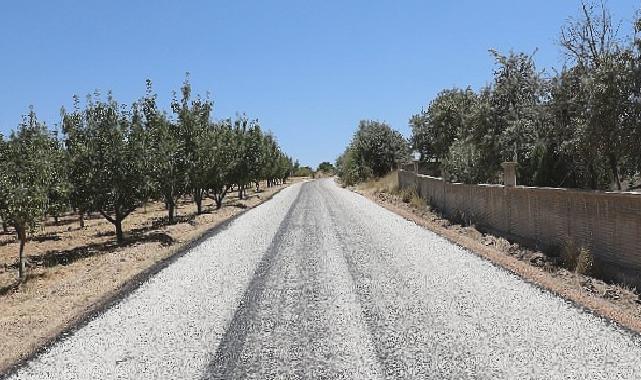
(580, 127)
(375, 149)
(112, 158)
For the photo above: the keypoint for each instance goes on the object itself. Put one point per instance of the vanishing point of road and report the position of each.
(321, 283)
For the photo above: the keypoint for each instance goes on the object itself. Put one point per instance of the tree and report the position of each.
(588, 40)
(193, 120)
(348, 169)
(79, 168)
(111, 144)
(378, 148)
(255, 154)
(592, 43)
(434, 130)
(374, 150)
(59, 191)
(326, 167)
(502, 123)
(240, 170)
(25, 177)
(223, 154)
(166, 154)
(3, 156)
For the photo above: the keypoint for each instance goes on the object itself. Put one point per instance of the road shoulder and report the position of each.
(623, 311)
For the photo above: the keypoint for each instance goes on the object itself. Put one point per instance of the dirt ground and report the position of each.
(71, 270)
(611, 301)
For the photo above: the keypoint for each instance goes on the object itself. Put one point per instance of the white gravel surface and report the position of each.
(167, 328)
(322, 283)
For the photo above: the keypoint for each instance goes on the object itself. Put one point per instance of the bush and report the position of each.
(577, 259)
(569, 255)
(585, 262)
(375, 150)
(417, 202)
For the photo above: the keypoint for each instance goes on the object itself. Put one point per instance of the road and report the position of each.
(321, 283)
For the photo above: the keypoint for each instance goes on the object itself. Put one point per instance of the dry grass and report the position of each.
(72, 269)
(387, 184)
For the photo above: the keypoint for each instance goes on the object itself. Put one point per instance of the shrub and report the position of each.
(569, 255)
(417, 202)
(577, 259)
(585, 262)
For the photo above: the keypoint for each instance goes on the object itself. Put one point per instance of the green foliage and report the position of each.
(435, 130)
(26, 175)
(59, 191)
(375, 150)
(111, 148)
(193, 118)
(303, 171)
(114, 158)
(167, 154)
(326, 167)
(348, 168)
(578, 128)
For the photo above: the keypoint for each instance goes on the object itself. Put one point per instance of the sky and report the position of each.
(308, 70)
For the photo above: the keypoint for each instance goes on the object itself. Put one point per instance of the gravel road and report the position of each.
(321, 283)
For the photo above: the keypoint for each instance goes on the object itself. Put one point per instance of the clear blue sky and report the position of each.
(309, 71)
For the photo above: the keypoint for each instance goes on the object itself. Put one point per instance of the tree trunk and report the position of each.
(22, 264)
(5, 227)
(120, 237)
(240, 192)
(55, 220)
(593, 178)
(198, 198)
(81, 217)
(171, 209)
(615, 171)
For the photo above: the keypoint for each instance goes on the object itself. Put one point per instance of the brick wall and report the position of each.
(609, 224)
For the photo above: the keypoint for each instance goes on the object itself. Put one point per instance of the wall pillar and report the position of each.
(509, 174)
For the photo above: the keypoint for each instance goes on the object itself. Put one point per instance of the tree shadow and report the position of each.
(9, 241)
(62, 222)
(9, 288)
(50, 236)
(54, 258)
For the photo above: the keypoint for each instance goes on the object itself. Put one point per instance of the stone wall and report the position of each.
(608, 224)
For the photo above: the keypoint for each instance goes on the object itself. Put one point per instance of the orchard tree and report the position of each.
(255, 154)
(113, 150)
(223, 152)
(59, 191)
(240, 172)
(271, 152)
(166, 154)
(25, 177)
(193, 120)
(3, 156)
(79, 168)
